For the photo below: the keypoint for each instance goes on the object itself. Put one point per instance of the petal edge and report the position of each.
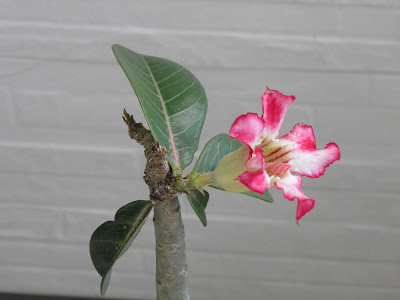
(247, 129)
(275, 105)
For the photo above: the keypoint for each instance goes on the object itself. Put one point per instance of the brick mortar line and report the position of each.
(276, 282)
(311, 38)
(256, 256)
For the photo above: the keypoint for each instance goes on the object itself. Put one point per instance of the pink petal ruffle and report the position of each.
(256, 181)
(275, 104)
(256, 178)
(291, 186)
(305, 159)
(247, 129)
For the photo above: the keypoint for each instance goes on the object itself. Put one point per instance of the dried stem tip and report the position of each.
(158, 173)
(138, 132)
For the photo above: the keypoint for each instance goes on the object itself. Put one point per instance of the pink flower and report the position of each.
(267, 160)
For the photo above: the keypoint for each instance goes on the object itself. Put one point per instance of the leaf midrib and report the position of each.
(164, 109)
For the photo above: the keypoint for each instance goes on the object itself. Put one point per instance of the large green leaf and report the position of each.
(172, 99)
(111, 239)
(217, 148)
(198, 201)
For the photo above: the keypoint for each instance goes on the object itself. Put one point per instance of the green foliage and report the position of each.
(199, 201)
(111, 239)
(214, 151)
(173, 102)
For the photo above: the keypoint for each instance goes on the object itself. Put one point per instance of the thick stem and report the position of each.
(171, 270)
(171, 263)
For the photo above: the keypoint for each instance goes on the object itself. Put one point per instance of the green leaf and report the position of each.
(172, 99)
(217, 148)
(198, 201)
(111, 239)
(214, 150)
(267, 197)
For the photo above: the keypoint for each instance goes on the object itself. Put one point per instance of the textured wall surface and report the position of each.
(67, 163)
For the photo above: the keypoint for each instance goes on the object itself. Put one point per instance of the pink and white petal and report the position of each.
(275, 104)
(247, 129)
(313, 163)
(303, 135)
(303, 207)
(256, 161)
(256, 181)
(291, 186)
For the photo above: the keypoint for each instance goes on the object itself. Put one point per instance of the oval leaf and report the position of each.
(172, 99)
(217, 148)
(111, 239)
(198, 201)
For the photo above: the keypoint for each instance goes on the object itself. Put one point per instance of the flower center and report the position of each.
(276, 156)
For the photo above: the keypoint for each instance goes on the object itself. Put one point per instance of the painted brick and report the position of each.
(244, 236)
(384, 91)
(30, 280)
(364, 154)
(62, 256)
(65, 138)
(356, 242)
(315, 274)
(293, 270)
(5, 107)
(258, 51)
(362, 124)
(70, 191)
(230, 16)
(316, 88)
(236, 290)
(30, 223)
(56, 109)
(380, 23)
(39, 108)
(357, 178)
(361, 208)
(53, 159)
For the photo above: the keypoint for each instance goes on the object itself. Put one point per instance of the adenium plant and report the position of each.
(250, 160)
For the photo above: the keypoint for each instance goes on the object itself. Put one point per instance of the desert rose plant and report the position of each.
(253, 158)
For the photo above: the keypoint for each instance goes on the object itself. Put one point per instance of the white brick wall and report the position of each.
(67, 163)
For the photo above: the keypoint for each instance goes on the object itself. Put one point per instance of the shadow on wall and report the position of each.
(41, 297)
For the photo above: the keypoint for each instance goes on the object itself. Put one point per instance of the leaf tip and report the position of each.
(115, 46)
(105, 282)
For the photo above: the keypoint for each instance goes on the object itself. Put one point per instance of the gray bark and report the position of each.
(171, 263)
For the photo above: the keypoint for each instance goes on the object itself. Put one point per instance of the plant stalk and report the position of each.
(171, 263)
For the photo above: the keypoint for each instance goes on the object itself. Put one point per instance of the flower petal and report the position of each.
(291, 186)
(275, 104)
(305, 158)
(256, 160)
(256, 181)
(247, 129)
(303, 207)
(303, 135)
(256, 178)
